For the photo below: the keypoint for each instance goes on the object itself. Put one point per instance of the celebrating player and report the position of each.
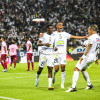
(89, 56)
(3, 54)
(12, 51)
(61, 43)
(29, 53)
(46, 42)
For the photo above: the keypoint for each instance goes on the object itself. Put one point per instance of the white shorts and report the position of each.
(43, 58)
(84, 64)
(60, 59)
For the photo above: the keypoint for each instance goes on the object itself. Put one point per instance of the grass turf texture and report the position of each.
(20, 84)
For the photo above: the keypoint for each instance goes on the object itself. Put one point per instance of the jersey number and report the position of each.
(98, 46)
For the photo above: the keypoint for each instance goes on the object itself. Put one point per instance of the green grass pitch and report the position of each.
(20, 84)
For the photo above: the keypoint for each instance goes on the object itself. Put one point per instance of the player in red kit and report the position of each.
(3, 54)
(13, 49)
(29, 53)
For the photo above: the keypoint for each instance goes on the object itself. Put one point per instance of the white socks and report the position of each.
(54, 73)
(50, 82)
(63, 74)
(86, 77)
(37, 76)
(75, 78)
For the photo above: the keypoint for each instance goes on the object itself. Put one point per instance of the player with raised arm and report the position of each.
(89, 56)
(61, 43)
(29, 53)
(46, 41)
(3, 54)
(12, 51)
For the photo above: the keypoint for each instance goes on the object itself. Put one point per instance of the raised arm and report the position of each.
(78, 37)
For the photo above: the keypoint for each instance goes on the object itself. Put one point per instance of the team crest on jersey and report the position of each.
(50, 39)
(60, 36)
(64, 61)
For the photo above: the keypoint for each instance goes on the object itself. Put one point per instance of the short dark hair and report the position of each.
(49, 25)
(27, 37)
(94, 27)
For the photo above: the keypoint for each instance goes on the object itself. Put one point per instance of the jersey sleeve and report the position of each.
(90, 40)
(4, 44)
(41, 38)
(68, 35)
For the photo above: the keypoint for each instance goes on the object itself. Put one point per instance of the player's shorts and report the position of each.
(14, 57)
(44, 58)
(84, 64)
(3, 56)
(60, 59)
(29, 56)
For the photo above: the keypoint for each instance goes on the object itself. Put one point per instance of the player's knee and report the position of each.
(40, 70)
(76, 69)
(50, 69)
(63, 68)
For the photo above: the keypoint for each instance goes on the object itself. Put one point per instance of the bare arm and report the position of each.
(5, 49)
(86, 52)
(87, 49)
(29, 47)
(78, 37)
(39, 43)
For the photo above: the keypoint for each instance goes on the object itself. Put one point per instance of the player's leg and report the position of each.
(50, 64)
(74, 80)
(28, 61)
(86, 76)
(15, 59)
(63, 64)
(50, 78)
(11, 62)
(63, 74)
(42, 60)
(2, 63)
(56, 69)
(32, 62)
(76, 75)
(5, 63)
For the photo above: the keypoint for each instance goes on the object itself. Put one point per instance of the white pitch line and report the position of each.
(2, 97)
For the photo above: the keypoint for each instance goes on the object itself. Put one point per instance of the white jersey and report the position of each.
(61, 41)
(47, 39)
(95, 41)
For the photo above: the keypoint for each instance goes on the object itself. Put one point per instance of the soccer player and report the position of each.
(29, 53)
(12, 51)
(3, 54)
(89, 56)
(61, 43)
(46, 41)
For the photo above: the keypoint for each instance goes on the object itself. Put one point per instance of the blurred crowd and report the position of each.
(16, 18)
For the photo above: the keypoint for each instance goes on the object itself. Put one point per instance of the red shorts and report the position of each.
(3, 56)
(14, 57)
(29, 56)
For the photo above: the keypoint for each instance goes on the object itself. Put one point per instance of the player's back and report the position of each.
(13, 49)
(95, 41)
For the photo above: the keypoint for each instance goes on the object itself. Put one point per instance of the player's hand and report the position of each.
(80, 60)
(47, 44)
(96, 62)
(55, 48)
(87, 36)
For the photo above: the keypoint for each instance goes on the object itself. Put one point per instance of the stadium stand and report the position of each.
(16, 18)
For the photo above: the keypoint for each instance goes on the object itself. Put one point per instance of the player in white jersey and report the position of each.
(89, 56)
(61, 43)
(46, 42)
